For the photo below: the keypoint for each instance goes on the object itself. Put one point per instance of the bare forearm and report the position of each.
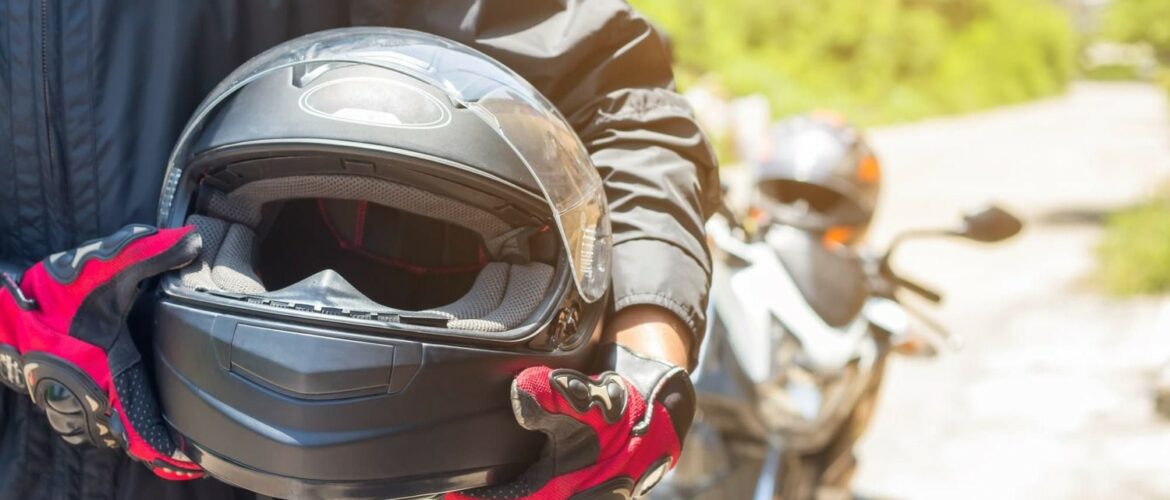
(651, 331)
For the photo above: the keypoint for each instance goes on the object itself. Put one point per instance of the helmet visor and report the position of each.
(534, 129)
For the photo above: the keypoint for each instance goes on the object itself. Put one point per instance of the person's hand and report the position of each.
(610, 436)
(64, 341)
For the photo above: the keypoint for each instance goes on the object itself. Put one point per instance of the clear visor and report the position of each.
(524, 118)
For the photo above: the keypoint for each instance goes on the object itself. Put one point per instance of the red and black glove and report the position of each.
(610, 436)
(64, 341)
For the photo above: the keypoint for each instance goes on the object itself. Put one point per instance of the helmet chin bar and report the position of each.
(304, 410)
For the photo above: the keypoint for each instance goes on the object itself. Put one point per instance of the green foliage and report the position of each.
(1140, 21)
(1113, 72)
(1135, 252)
(1163, 80)
(875, 60)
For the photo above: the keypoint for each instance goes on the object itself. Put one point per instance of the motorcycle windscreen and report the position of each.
(534, 129)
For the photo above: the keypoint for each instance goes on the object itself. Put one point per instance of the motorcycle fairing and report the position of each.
(764, 292)
(832, 281)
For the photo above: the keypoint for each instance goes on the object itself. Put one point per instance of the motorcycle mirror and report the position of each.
(990, 225)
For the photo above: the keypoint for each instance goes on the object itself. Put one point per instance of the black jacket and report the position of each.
(93, 94)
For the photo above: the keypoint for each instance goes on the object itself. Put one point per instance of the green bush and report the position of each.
(875, 60)
(1140, 21)
(1113, 72)
(1163, 80)
(1135, 252)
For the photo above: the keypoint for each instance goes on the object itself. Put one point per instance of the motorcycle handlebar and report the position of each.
(919, 290)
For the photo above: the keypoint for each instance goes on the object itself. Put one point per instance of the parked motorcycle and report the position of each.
(800, 331)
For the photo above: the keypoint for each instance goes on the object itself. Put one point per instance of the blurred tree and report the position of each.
(1141, 21)
(877, 60)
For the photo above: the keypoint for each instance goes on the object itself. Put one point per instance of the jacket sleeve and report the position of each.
(608, 71)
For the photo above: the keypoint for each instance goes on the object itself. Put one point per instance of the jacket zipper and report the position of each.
(45, 84)
(58, 192)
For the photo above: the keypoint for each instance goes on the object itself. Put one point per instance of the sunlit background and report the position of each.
(1055, 109)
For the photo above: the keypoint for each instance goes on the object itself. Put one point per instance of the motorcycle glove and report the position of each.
(610, 436)
(64, 341)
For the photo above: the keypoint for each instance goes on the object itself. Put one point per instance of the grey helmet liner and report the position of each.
(502, 297)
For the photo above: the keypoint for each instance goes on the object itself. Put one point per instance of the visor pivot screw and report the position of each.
(568, 322)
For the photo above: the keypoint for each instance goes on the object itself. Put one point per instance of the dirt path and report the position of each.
(1050, 397)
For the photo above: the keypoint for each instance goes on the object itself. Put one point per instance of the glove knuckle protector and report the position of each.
(63, 341)
(610, 436)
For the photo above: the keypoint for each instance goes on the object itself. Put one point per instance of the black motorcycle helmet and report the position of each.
(394, 225)
(820, 175)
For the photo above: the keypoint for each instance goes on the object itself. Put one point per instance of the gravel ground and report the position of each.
(1050, 398)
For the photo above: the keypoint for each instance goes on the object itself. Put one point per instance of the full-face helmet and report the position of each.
(394, 225)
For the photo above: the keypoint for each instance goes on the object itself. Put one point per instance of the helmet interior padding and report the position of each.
(304, 257)
(243, 205)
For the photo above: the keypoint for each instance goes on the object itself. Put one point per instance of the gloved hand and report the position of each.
(610, 436)
(64, 341)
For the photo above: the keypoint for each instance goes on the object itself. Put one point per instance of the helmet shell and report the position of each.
(817, 154)
(296, 403)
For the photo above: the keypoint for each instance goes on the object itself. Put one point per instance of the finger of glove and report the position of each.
(171, 474)
(145, 434)
(141, 259)
(103, 276)
(586, 418)
(660, 383)
(600, 401)
(588, 421)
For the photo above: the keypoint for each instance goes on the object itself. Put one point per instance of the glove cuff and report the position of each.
(659, 382)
